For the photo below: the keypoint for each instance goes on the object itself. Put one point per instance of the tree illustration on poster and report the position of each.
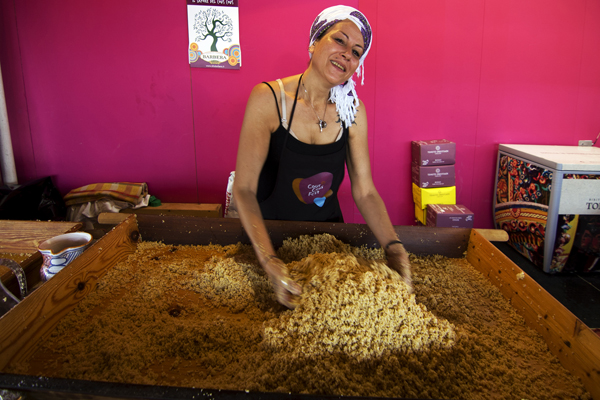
(213, 25)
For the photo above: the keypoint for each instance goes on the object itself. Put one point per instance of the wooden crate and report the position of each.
(24, 237)
(24, 327)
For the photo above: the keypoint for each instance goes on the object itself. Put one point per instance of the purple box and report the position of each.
(449, 216)
(433, 152)
(435, 176)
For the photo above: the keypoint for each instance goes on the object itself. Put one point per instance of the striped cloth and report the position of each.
(122, 191)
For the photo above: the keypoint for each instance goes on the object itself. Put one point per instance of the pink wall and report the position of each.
(102, 91)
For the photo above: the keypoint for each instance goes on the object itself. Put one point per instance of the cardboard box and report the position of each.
(433, 176)
(433, 152)
(421, 214)
(193, 209)
(440, 195)
(449, 216)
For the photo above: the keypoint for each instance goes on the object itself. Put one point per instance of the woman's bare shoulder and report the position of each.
(290, 84)
(261, 99)
(359, 126)
(262, 93)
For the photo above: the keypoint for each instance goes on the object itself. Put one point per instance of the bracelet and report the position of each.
(387, 246)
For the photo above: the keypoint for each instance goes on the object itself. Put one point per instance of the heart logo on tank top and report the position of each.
(315, 189)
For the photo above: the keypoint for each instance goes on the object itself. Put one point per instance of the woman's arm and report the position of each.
(367, 198)
(260, 121)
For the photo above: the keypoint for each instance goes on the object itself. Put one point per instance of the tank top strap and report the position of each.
(294, 106)
(283, 105)
(283, 111)
(275, 96)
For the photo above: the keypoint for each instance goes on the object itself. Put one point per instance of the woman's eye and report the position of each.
(340, 41)
(356, 54)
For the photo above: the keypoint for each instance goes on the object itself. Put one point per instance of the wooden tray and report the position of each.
(24, 327)
(20, 237)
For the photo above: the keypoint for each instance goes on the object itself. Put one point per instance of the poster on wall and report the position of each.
(213, 29)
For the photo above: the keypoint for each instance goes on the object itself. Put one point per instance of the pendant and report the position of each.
(322, 124)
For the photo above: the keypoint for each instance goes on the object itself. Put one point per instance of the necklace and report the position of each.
(322, 124)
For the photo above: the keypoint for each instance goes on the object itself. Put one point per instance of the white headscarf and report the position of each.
(344, 96)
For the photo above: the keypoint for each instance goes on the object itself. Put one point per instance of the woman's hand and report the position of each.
(286, 290)
(398, 260)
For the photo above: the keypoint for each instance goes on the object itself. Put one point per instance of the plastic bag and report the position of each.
(230, 207)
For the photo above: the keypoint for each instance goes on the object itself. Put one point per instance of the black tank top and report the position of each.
(300, 181)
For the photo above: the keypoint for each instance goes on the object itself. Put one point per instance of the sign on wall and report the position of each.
(213, 29)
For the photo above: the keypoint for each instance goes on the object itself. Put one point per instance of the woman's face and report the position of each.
(337, 53)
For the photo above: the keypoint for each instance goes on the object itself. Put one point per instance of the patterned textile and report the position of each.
(123, 191)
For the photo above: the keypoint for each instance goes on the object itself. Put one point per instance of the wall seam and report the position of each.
(580, 77)
(35, 170)
(483, 26)
(372, 120)
(194, 136)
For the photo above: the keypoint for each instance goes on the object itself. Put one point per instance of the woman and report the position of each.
(296, 136)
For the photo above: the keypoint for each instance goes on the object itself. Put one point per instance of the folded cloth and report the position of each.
(122, 191)
(90, 210)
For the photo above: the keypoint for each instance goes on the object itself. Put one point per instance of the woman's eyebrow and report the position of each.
(347, 37)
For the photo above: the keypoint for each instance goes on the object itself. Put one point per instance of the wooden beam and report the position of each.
(494, 235)
(450, 242)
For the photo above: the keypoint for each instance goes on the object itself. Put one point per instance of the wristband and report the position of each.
(387, 246)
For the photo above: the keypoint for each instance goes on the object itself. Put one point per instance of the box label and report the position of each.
(580, 196)
(435, 176)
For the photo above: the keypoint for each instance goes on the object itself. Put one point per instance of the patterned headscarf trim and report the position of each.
(344, 96)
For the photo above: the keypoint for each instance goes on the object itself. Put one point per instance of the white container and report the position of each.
(60, 250)
(548, 200)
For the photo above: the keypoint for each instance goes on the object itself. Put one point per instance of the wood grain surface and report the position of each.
(575, 344)
(450, 242)
(24, 237)
(26, 325)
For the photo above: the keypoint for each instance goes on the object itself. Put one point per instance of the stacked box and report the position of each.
(440, 195)
(433, 152)
(421, 214)
(433, 174)
(449, 216)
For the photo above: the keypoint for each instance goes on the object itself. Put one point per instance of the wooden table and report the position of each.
(24, 237)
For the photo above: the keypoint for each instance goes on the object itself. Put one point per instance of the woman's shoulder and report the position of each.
(290, 84)
(264, 91)
(261, 94)
(359, 125)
